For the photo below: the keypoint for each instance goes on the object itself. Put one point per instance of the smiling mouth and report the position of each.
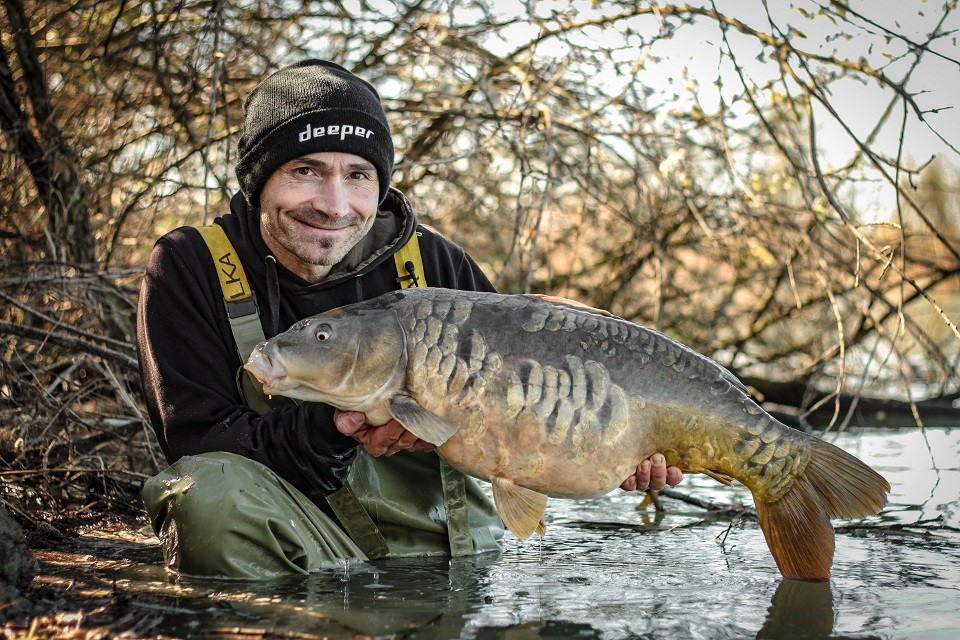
(320, 225)
(322, 228)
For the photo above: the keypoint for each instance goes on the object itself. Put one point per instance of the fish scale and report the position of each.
(546, 397)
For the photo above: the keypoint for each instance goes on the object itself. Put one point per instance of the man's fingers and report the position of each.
(383, 439)
(392, 431)
(406, 440)
(674, 476)
(643, 475)
(639, 480)
(653, 473)
(658, 471)
(349, 422)
(387, 439)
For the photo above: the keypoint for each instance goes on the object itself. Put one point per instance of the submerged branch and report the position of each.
(728, 510)
(737, 512)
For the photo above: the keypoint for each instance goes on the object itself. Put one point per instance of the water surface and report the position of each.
(608, 570)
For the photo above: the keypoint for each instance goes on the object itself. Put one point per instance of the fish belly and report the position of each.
(523, 453)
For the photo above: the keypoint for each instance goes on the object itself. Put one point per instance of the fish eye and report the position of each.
(323, 332)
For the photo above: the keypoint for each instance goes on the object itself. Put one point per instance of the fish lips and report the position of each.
(268, 371)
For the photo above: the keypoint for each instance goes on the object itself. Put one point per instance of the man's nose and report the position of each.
(331, 199)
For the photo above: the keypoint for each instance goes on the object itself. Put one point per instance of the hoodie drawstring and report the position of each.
(358, 288)
(273, 296)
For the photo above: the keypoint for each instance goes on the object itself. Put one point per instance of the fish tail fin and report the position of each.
(797, 525)
(798, 532)
(847, 487)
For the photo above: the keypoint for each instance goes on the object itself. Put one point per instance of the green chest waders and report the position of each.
(244, 319)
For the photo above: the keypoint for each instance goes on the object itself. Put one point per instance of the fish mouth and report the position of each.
(268, 371)
(265, 365)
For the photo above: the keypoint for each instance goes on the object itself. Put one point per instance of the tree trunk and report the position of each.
(41, 145)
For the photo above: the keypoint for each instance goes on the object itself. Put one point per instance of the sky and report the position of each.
(695, 54)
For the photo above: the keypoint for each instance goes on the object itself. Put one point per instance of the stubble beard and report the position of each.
(324, 251)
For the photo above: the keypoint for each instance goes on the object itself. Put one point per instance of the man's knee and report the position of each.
(197, 509)
(203, 488)
(221, 514)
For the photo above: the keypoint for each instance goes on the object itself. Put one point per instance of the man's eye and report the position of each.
(303, 171)
(359, 175)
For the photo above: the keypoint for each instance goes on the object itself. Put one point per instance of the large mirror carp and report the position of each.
(546, 397)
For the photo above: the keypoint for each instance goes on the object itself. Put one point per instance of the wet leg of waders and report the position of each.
(358, 523)
(220, 514)
(455, 504)
(404, 495)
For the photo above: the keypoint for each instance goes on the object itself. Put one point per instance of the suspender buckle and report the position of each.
(411, 275)
(242, 308)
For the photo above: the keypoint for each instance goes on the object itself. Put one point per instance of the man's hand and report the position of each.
(653, 473)
(385, 439)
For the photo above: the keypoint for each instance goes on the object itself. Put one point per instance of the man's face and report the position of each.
(314, 209)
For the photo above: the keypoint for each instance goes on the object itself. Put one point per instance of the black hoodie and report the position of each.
(189, 363)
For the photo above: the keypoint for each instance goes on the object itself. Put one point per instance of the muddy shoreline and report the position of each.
(76, 592)
(101, 576)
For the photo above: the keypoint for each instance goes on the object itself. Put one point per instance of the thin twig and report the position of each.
(67, 341)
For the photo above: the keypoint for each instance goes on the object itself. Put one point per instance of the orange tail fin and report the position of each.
(797, 526)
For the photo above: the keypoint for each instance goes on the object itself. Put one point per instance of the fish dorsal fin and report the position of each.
(573, 304)
(521, 509)
(725, 373)
(420, 422)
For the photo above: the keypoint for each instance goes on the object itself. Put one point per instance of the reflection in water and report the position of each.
(799, 610)
(540, 630)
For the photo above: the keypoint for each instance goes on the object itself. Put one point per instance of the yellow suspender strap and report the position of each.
(233, 279)
(410, 264)
(241, 308)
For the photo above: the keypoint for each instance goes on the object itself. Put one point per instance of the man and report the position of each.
(256, 490)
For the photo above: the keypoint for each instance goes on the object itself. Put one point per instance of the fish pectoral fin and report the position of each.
(521, 509)
(420, 422)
